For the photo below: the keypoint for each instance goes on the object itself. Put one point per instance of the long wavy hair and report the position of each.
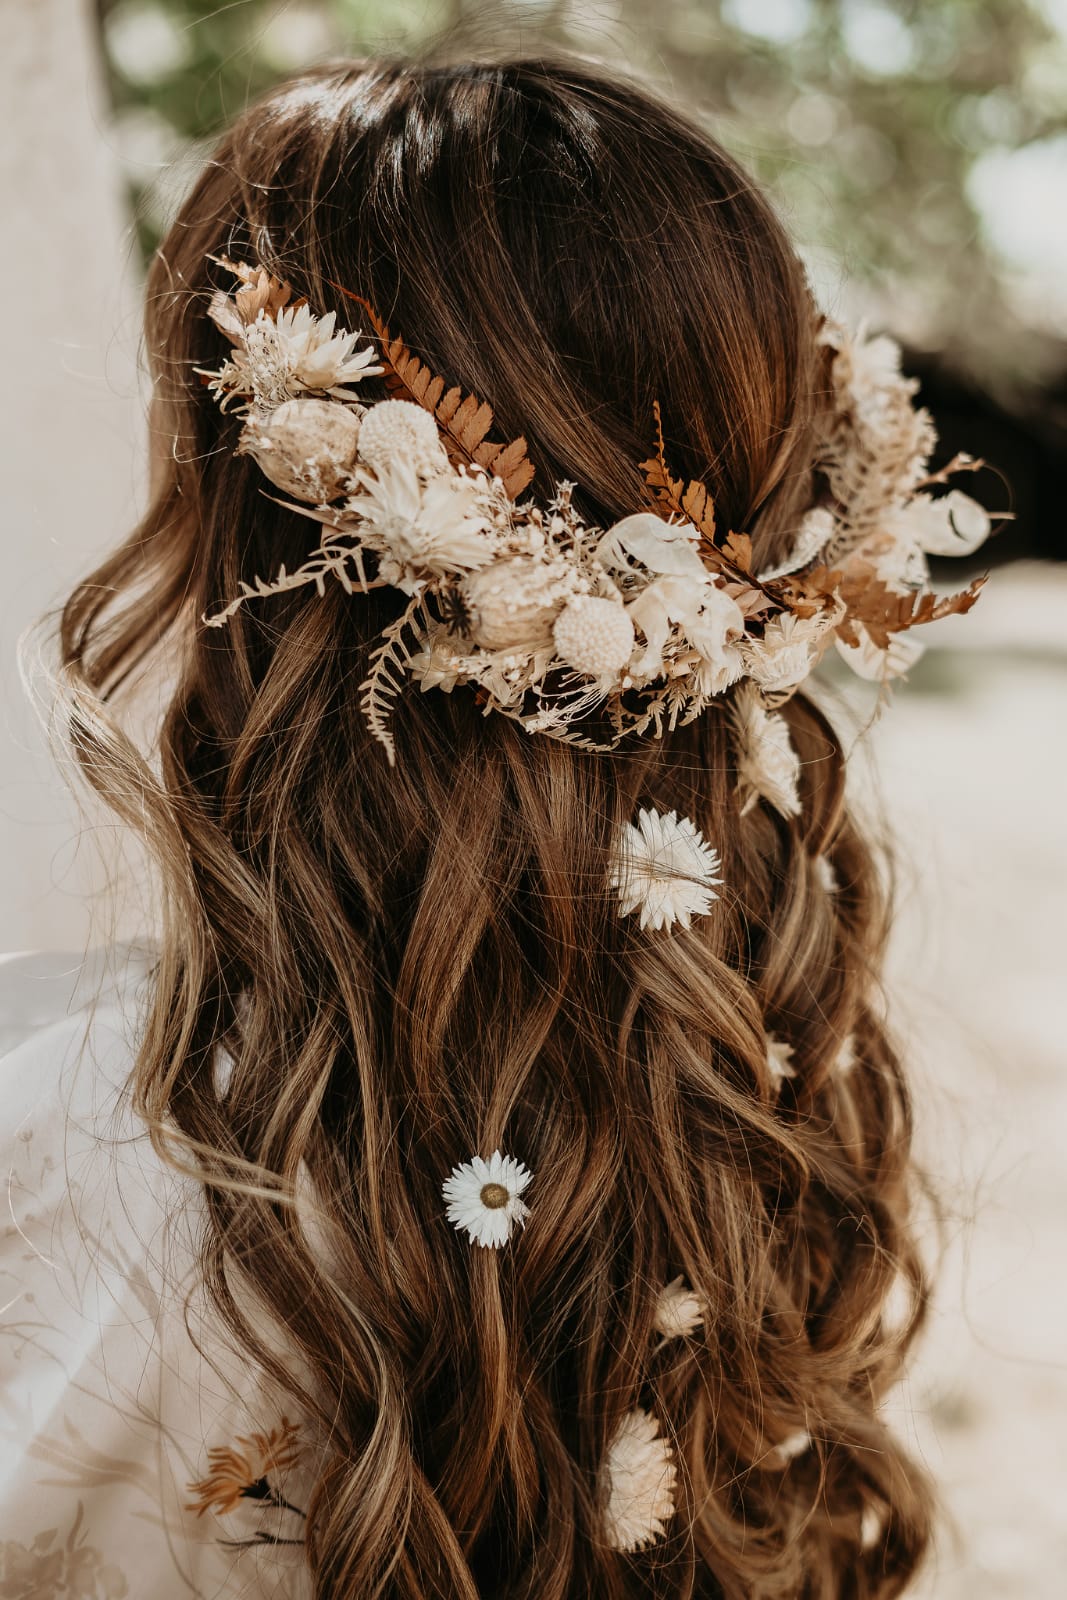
(409, 966)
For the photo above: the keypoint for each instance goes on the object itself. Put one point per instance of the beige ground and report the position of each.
(972, 763)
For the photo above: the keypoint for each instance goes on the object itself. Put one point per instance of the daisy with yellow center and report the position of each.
(484, 1198)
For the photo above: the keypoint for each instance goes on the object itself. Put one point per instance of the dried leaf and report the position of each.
(385, 679)
(464, 419)
(737, 547)
(883, 612)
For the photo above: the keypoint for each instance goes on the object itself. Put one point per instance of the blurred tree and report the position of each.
(915, 146)
(882, 124)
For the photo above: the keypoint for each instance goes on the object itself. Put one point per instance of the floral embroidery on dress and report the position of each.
(242, 1472)
(47, 1569)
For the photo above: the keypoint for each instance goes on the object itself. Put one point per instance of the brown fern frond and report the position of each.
(883, 612)
(384, 681)
(464, 420)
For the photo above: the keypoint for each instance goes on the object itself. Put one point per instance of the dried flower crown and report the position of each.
(563, 626)
(638, 626)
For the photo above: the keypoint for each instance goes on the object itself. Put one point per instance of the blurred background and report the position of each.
(918, 152)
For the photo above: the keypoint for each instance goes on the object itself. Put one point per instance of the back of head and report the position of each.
(410, 965)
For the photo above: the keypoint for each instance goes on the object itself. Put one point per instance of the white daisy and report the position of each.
(663, 868)
(483, 1197)
(767, 764)
(678, 1311)
(779, 1056)
(637, 1483)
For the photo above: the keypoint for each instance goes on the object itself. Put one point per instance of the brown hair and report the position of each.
(410, 966)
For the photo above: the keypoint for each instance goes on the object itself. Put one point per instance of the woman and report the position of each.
(525, 1206)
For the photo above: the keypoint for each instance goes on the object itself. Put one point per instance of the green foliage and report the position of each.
(870, 118)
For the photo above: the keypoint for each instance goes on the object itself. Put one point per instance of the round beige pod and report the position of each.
(513, 604)
(306, 447)
(594, 635)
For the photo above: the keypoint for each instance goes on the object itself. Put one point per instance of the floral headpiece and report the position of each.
(638, 626)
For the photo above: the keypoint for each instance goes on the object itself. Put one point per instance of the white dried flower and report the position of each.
(779, 1057)
(637, 1483)
(767, 764)
(787, 652)
(435, 527)
(402, 431)
(793, 1445)
(484, 1198)
(846, 1055)
(594, 635)
(679, 1312)
(281, 357)
(306, 447)
(825, 874)
(664, 869)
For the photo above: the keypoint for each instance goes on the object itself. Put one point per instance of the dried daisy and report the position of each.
(779, 1059)
(236, 1474)
(637, 1483)
(484, 1198)
(679, 1312)
(767, 765)
(664, 869)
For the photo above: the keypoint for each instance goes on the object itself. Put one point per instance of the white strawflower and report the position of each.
(401, 430)
(484, 1198)
(678, 1311)
(779, 1057)
(788, 651)
(663, 868)
(637, 1483)
(433, 527)
(767, 764)
(278, 358)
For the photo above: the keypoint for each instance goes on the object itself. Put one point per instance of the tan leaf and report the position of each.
(464, 420)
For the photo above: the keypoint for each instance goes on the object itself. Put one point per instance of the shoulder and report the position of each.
(49, 989)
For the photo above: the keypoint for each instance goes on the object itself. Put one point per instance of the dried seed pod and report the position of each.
(306, 447)
(512, 604)
(595, 635)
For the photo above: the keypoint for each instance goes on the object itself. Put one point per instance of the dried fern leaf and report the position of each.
(388, 666)
(737, 547)
(464, 419)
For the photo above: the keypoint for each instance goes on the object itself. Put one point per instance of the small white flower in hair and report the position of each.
(825, 874)
(846, 1055)
(679, 1312)
(767, 765)
(793, 1445)
(664, 869)
(484, 1198)
(637, 1482)
(779, 1059)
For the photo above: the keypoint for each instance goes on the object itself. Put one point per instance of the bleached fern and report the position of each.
(389, 663)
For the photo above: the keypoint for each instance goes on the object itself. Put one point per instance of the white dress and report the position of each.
(116, 1384)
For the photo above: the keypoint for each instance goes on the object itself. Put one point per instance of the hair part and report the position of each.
(407, 966)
